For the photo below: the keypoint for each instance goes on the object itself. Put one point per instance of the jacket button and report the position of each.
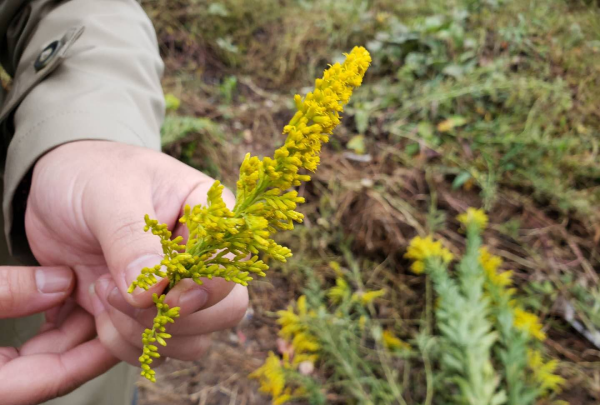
(47, 55)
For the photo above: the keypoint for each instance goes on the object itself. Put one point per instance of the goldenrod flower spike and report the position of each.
(421, 249)
(221, 238)
(528, 323)
(473, 216)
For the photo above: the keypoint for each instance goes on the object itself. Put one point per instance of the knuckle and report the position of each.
(129, 236)
(127, 229)
(10, 287)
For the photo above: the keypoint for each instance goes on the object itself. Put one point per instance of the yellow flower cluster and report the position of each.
(392, 342)
(342, 292)
(294, 329)
(475, 217)
(305, 347)
(529, 323)
(491, 265)
(422, 249)
(221, 238)
(543, 372)
(156, 334)
(367, 297)
(522, 320)
(271, 377)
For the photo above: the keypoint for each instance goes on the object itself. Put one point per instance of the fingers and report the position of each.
(28, 290)
(210, 318)
(178, 347)
(107, 333)
(53, 363)
(37, 378)
(223, 315)
(188, 297)
(189, 333)
(77, 327)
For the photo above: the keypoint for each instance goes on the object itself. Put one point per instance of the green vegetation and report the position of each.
(468, 103)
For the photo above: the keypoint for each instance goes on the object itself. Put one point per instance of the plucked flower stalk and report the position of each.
(220, 239)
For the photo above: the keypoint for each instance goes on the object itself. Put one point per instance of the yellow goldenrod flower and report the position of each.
(366, 297)
(294, 328)
(529, 323)
(337, 268)
(421, 249)
(172, 103)
(474, 216)
(543, 372)
(220, 239)
(491, 264)
(362, 322)
(391, 342)
(340, 292)
(271, 378)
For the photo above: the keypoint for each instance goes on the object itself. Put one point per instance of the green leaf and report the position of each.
(412, 149)
(357, 144)
(175, 128)
(460, 180)
(451, 123)
(218, 9)
(361, 118)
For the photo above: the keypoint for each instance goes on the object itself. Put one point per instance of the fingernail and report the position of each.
(193, 299)
(97, 305)
(53, 279)
(135, 268)
(113, 296)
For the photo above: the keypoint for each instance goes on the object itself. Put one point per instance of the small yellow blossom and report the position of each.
(421, 249)
(336, 267)
(491, 264)
(391, 342)
(367, 297)
(474, 216)
(362, 322)
(295, 329)
(543, 372)
(271, 377)
(340, 292)
(529, 323)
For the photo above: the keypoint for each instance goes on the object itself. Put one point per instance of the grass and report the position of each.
(478, 103)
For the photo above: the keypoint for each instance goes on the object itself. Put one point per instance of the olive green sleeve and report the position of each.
(103, 82)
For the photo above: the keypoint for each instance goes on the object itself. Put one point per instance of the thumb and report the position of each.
(29, 290)
(118, 224)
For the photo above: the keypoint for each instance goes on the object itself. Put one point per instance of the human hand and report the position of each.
(86, 210)
(62, 356)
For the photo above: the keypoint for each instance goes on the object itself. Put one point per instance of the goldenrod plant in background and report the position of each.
(484, 347)
(489, 345)
(220, 239)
